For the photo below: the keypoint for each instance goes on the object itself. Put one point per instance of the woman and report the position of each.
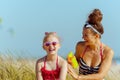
(93, 56)
(51, 66)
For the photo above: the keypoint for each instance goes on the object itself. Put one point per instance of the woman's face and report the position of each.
(88, 36)
(51, 45)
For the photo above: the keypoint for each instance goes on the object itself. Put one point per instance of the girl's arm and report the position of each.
(38, 71)
(63, 70)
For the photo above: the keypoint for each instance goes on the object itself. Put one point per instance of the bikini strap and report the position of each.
(101, 51)
(84, 51)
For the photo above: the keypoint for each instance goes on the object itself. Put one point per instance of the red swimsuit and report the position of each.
(50, 74)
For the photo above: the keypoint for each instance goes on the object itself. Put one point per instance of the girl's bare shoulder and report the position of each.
(61, 61)
(41, 60)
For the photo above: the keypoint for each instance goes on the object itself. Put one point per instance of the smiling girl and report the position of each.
(51, 66)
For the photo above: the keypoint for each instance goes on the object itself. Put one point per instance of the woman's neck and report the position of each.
(95, 45)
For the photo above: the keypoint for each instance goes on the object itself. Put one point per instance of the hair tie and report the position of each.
(89, 25)
(46, 33)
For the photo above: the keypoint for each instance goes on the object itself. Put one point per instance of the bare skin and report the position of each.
(51, 65)
(92, 57)
(51, 59)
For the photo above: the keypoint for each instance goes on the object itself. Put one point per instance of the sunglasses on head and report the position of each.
(50, 43)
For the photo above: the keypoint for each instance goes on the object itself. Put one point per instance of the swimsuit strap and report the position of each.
(45, 62)
(101, 52)
(56, 62)
(84, 51)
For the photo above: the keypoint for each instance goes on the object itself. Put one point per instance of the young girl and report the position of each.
(51, 66)
(93, 56)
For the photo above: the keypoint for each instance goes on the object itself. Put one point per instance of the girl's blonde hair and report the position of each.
(48, 34)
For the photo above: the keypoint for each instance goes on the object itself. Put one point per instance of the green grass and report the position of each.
(24, 69)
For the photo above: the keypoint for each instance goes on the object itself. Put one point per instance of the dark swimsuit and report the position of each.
(84, 68)
(50, 74)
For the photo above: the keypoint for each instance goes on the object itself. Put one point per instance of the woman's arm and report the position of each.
(107, 60)
(78, 50)
(104, 68)
(72, 72)
(63, 70)
(38, 71)
(78, 53)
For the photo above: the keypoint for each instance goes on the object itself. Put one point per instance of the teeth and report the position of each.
(51, 49)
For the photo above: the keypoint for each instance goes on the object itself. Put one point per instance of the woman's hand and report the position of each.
(72, 72)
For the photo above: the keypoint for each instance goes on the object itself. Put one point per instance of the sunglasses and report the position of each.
(50, 43)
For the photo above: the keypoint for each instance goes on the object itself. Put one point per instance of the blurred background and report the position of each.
(24, 22)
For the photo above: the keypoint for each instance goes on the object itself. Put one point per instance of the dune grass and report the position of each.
(16, 69)
(24, 69)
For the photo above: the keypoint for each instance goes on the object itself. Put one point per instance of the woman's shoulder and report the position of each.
(107, 50)
(80, 44)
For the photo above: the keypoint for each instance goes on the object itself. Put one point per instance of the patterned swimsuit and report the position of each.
(85, 69)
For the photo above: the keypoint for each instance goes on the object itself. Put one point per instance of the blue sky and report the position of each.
(23, 23)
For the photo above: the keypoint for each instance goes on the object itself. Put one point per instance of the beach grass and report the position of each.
(24, 69)
(16, 69)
